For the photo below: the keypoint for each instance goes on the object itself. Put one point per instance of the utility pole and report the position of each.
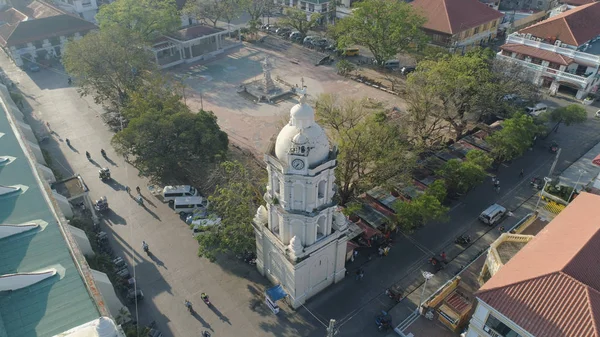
(331, 328)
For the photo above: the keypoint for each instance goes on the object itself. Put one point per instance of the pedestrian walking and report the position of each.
(380, 252)
(128, 189)
(361, 274)
(139, 191)
(521, 174)
(443, 256)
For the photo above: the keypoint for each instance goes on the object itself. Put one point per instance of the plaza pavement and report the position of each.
(175, 273)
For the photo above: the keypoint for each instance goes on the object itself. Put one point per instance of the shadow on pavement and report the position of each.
(158, 261)
(113, 218)
(219, 314)
(204, 323)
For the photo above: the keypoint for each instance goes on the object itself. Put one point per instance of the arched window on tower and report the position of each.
(276, 185)
(321, 230)
(275, 224)
(321, 189)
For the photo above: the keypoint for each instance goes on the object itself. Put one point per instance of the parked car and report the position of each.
(283, 31)
(537, 110)
(295, 35)
(266, 26)
(135, 295)
(34, 68)
(308, 40)
(320, 43)
(392, 64)
(407, 70)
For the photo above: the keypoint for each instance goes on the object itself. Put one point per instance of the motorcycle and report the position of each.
(88, 155)
(205, 333)
(204, 297)
(394, 293)
(463, 240)
(437, 264)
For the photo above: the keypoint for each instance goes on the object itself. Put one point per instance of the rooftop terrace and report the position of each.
(52, 305)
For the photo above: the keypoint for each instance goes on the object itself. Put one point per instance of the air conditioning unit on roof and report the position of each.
(528, 36)
(557, 43)
(539, 39)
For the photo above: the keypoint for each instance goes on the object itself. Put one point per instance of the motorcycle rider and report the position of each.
(103, 152)
(68, 141)
(88, 155)
(204, 297)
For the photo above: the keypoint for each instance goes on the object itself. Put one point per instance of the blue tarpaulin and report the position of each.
(276, 293)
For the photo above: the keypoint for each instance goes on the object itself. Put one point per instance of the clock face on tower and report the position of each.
(298, 164)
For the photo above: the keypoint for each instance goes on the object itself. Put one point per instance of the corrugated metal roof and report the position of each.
(552, 286)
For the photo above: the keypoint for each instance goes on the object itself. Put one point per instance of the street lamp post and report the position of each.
(546, 181)
(427, 275)
(581, 172)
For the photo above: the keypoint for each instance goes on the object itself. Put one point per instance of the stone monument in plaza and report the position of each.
(300, 234)
(265, 89)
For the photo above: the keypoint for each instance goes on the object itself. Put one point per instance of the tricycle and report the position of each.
(395, 292)
(383, 321)
(104, 174)
(537, 182)
(101, 205)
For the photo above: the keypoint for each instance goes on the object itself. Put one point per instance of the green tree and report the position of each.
(386, 28)
(423, 209)
(345, 67)
(299, 20)
(515, 138)
(461, 176)
(453, 85)
(148, 18)
(570, 114)
(232, 9)
(109, 65)
(438, 190)
(168, 142)
(211, 10)
(235, 201)
(371, 148)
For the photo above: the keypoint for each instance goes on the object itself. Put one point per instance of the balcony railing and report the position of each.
(547, 71)
(577, 55)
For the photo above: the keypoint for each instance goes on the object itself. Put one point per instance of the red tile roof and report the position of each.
(551, 287)
(454, 16)
(574, 27)
(537, 53)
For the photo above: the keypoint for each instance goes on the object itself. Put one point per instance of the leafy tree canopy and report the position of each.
(452, 84)
(425, 208)
(211, 10)
(570, 114)
(109, 65)
(297, 19)
(148, 18)
(515, 138)
(235, 201)
(168, 142)
(386, 28)
(371, 148)
(461, 176)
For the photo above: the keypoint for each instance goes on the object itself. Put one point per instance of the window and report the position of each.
(311, 7)
(498, 328)
(476, 30)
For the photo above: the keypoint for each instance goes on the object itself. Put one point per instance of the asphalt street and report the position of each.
(175, 273)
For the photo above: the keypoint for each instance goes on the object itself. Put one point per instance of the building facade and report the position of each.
(86, 9)
(300, 235)
(563, 52)
(458, 24)
(38, 32)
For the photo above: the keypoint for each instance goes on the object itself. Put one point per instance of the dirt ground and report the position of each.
(251, 125)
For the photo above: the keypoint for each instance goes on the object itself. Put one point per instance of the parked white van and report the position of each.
(492, 214)
(537, 110)
(171, 192)
(185, 205)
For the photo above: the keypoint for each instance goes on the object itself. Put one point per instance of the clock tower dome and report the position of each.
(300, 234)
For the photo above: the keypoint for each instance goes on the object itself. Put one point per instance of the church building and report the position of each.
(300, 234)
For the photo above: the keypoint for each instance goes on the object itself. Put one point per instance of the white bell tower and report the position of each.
(300, 235)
